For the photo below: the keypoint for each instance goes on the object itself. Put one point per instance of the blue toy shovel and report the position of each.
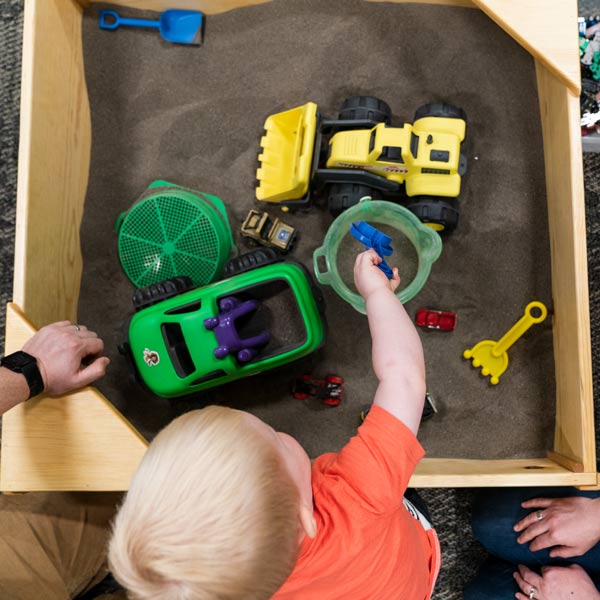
(373, 238)
(176, 26)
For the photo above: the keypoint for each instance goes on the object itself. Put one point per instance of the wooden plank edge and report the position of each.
(25, 126)
(566, 462)
(222, 6)
(573, 82)
(455, 473)
(572, 156)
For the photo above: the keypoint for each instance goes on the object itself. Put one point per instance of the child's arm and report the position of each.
(397, 352)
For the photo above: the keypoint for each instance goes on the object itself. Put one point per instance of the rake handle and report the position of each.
(519, 328)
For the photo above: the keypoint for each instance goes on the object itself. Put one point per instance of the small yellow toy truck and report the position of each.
(268, 231)
(360, 154)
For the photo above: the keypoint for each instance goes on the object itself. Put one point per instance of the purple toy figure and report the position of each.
(230, 308)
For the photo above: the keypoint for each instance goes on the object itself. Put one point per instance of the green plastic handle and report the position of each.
(322, 277)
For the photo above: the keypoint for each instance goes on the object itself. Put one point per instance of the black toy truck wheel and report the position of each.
(344, 195)
(365, 107)
(440, 109)
(251, 260)
(163, 290)
(439, 213)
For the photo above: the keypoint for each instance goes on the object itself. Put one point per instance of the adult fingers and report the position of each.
(529, 520)
(92, 346)
(526, 579)
(541, 542)
(538, 528)
(538, 503)
(93, 371)
(564, 552)
(395, 280)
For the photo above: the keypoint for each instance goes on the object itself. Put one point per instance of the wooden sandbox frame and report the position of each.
(80, 441)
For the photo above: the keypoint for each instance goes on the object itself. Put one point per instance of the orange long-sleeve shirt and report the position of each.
(368, 546)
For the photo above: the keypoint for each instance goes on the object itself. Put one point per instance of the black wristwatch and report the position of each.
(21, 362)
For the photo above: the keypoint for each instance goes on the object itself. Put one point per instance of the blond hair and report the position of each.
(211, 513)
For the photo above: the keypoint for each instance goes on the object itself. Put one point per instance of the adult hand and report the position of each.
(368, 278)
(69, 356)
(555, 583)
(570, 526)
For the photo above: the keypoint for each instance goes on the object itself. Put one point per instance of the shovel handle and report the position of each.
(114, 21)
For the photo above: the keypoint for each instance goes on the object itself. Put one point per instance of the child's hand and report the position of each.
(368, 278)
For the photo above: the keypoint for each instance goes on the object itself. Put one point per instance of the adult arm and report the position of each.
(68, 356)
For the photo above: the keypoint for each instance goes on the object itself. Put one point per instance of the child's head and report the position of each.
(216, 509)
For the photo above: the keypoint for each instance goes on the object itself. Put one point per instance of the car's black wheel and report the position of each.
(366, 107)
(163, 290)
(344, 195)
(440, 109)
(252, 260)
(440, 214)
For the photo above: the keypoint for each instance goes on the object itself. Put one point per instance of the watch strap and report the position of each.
(27, 365)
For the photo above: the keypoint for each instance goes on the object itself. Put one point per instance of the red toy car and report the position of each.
(436, 319)
(328, 390)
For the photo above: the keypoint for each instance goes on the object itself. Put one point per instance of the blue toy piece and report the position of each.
(175, 26)
(230, 309)
(373, 238)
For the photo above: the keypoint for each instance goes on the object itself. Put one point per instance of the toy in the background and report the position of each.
(444, 320)
(329, 390)
(373, 238)
(492, 356)
(173, 352)
(228, 338)
(361, 155)
(427, 244)
(268, 230)
(175, 26)
(589, 52)
(172, 231)
(429, 409)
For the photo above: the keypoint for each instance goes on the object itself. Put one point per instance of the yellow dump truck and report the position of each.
(360, 154)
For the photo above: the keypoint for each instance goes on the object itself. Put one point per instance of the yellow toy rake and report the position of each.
(492, 356)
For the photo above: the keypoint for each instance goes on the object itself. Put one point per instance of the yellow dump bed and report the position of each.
(286, 157)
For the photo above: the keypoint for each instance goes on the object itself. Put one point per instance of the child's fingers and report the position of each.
(395, 280)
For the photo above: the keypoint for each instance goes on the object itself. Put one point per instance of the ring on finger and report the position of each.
(539, 515)
(532, 592)
(76, 327)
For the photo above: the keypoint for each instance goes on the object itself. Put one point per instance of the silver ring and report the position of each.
(77, 328)
(539, 515)
(532, 592)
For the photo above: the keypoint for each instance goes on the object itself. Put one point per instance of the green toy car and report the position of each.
(185, 340)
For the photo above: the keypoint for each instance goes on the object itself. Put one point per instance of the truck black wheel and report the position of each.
(252, 260)
(345, 195)
(440, 109)
(439, 213)
(163, 290)
(366, 107)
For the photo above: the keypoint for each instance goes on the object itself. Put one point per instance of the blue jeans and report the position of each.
(495, 512)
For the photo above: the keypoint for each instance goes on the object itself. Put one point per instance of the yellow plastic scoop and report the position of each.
(492, 356)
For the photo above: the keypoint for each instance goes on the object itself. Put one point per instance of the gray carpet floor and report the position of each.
(450, 508)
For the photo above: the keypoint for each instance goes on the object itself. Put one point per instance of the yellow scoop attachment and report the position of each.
(492, 356)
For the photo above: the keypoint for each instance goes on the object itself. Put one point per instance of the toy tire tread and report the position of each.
(345, 195)
(252, 260)
(366, 107)
(440, 109)
(163, 290)
(431, 209)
